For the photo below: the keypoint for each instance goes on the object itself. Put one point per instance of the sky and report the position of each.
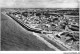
(40, 3)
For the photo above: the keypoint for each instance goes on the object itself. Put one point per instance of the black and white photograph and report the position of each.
(39, 29)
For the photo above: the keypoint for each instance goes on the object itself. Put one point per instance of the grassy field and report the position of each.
(14, 37)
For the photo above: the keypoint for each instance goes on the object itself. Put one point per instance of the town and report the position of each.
(54, 25)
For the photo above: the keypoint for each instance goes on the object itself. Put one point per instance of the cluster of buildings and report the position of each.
(52, 22)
